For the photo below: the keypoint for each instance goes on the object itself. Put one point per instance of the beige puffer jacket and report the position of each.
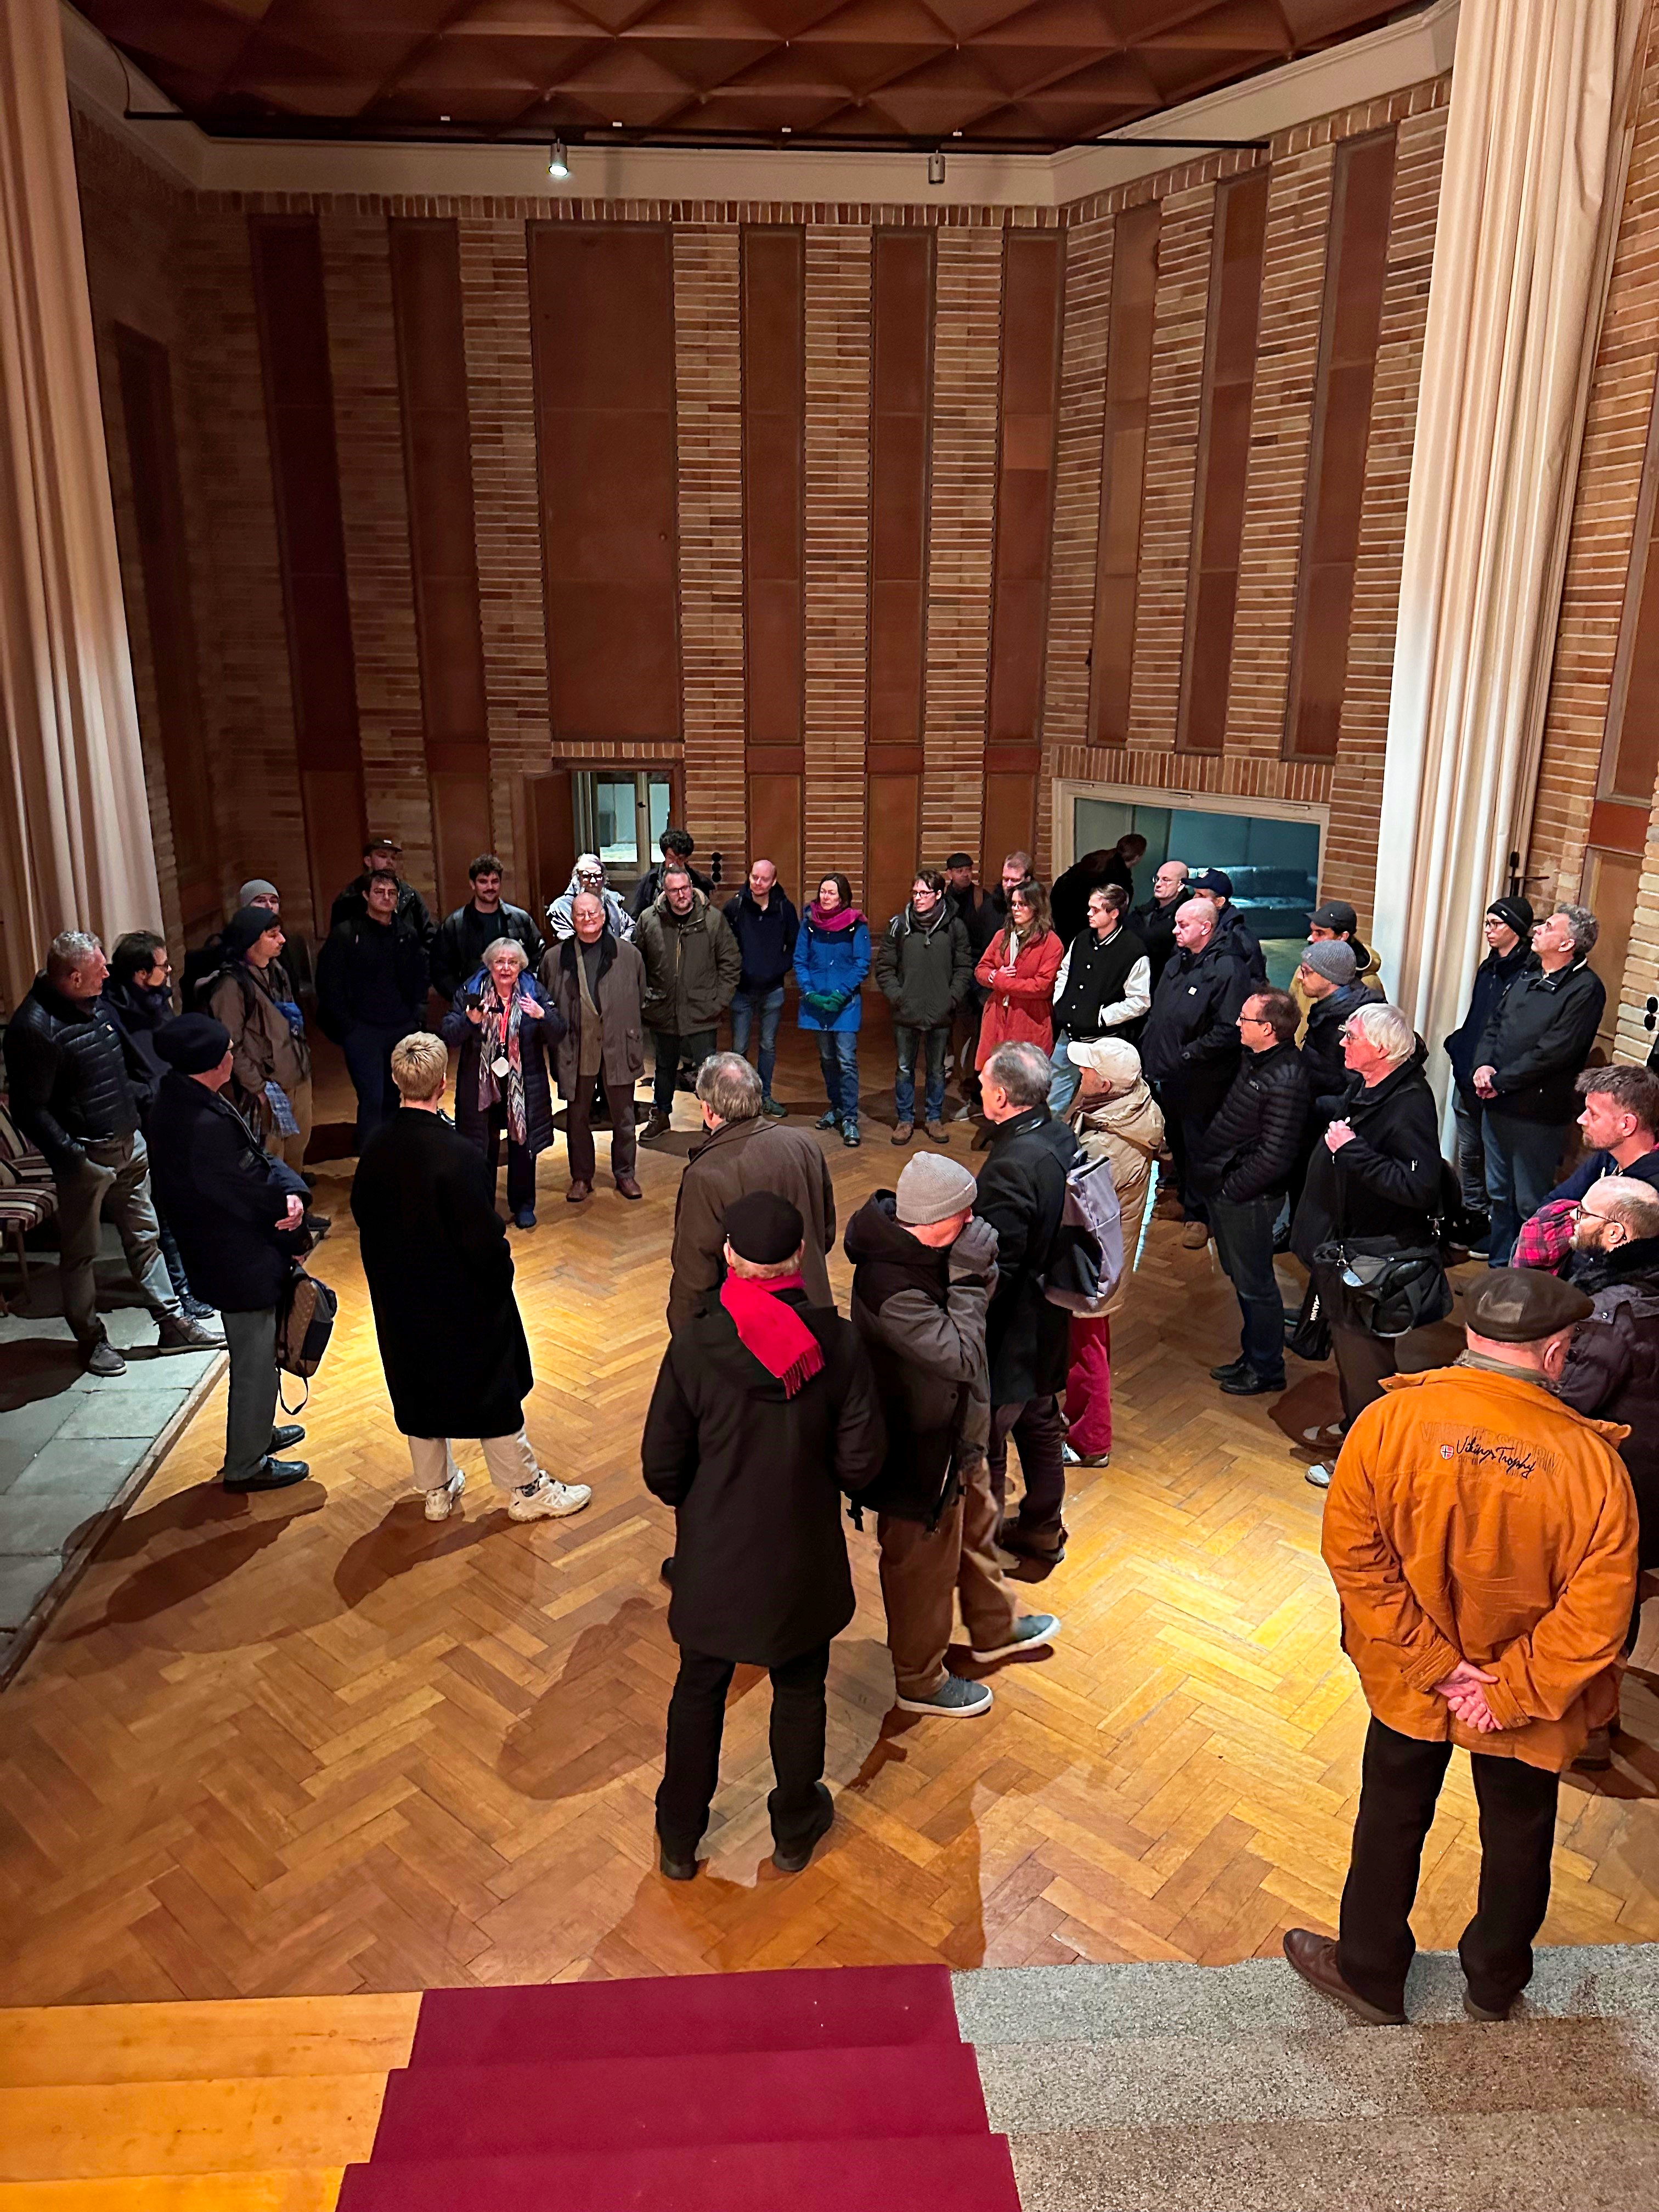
(1129, 1131)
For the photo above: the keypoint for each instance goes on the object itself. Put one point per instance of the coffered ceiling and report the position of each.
(1039, 74)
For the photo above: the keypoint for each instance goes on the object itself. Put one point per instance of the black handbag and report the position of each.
(1386, 1288)
(1309, 1334)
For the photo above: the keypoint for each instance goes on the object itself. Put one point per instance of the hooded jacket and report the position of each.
(77, 1077)
(920, 1313)
(1538, 1039)
(1493, 980)
(1189, 1046)
(766, 939)
(1367, 981)
(756, 1479)
(1253, 1146)
(1241, 940)
(691, 966)
(459, 947)
(832, 958)
(924, 967)
(1128, 1130)
(1385, 1182)
(1611, 1372)
(1472, 1515)
(265, 1046)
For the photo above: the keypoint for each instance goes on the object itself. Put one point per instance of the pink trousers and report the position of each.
(1089, 1387)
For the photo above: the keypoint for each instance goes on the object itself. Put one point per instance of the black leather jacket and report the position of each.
(75, 1078)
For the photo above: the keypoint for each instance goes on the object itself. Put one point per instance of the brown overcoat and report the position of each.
(737, 1158)
(622, 987)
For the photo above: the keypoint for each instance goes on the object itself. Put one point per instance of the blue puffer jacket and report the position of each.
(831, 962)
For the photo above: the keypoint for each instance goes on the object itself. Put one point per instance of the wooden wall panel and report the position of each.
(1355, 275)
(1123, 469)
(775, 827)
(164, 559)
(773, 317)
(602, 328)
(426, 298)
(893, 844)
(1223, 459)
(1010, 815)
(299, 395)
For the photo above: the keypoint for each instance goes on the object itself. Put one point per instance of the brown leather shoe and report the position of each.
(1195, 1235)
(629, 1187)
(936, 1130)
(1314, 1958)
(1596, 1757)
(902, 1132)
(577, 1193)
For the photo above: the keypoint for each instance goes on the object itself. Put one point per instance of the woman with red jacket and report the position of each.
(1018, 970)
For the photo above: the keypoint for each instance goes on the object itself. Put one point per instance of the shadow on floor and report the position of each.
(405, 1538)
(189, 1570)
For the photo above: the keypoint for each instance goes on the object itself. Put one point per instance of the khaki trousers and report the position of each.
(292, 1150)
(112, 1184)
(511, 1461)
(923, 1571)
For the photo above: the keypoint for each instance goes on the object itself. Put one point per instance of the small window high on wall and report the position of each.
(1270, 851)
(620, 813)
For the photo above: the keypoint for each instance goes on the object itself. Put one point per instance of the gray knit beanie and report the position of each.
(1332, 958)
(931, 1189)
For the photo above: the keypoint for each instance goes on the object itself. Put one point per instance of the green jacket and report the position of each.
(691, 965)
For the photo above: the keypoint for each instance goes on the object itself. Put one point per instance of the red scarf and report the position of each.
(773, 1332)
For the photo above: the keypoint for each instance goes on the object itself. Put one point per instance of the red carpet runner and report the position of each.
(846, 2090)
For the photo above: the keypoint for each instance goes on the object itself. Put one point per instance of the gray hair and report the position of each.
(589, 864)
(1021, 1072)
(1631, 1202)
(69, 949)
(493, 952)
(1583, 924)
(1388, 1029)
(728, 1087)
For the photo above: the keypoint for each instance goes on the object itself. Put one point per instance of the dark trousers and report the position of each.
(1184, 1125)
(579, 1130)
(1038, 1429)
(1362, 1358)
(1244, 1242)
(250, 1409)
(368, 1062)
(964, 1034)
(697, 1719)
(1471, 1153)
(1522, 1159)
(520, 1163)
(695, 1046)
(1400, 1782)
(931, 1043)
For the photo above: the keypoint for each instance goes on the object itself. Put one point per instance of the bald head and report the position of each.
(1195, 924)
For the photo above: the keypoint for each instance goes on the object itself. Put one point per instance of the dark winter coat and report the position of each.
(924, 967)
(537, 1039)
(1241, 940)
(457, 949)
(1494, 978)
(1595, 1165)
(75, 1075)
(1155, 926)
(1538, 1040)
(691, 966)
(1068, 900)
(1189, 1046)
(352, 905)
(440, 1276)
(737, 1158)
(1321, 1048)
(1096, 975)
(1386, 1182)
(141, 1012)
(223, 1194)
(344, 966)
(756, 1479)
(920, 1313)
(1022, 1194)
(766, 941)
(978, 915)
(1254, 1145)
(648, 890)
(1613, 1367)
(619, 995)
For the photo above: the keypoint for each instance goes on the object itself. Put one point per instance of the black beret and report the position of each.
(1522, 1305)
(764, 1228)
(247, 925)
(192, 1043)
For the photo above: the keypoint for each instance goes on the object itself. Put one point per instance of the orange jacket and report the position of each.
(1472, 1515)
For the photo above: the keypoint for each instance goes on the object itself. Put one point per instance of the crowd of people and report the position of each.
(1083, 1031)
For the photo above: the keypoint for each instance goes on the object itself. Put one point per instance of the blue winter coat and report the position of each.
(536, 1040)
(832, 961)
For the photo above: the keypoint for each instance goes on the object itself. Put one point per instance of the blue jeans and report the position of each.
(1521, 1160)
(1243, 1237)
(932, 1044)
(368, 1062)
(838, 1056)
(765, 1007)
(1067, 1078)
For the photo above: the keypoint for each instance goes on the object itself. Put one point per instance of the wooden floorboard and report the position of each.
(310, 1744)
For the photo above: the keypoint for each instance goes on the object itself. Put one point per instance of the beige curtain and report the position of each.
(1537, 145)
(75, 841)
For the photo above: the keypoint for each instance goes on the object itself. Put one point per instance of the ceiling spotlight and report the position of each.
(936, 167)
(558, 165)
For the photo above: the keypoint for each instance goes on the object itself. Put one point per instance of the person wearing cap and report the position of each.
(1115, 1116)
(270, 1070)
(764, 1414)
(1232, 932)
(743, 1152)
(383, 856)
(457, 949)
(440, 1274)
(1250, 1155)
(1104, 986)
(1337, 923)
(1482, 1538)
(239, 1214)
(923, 1271)
(1508, 933)
(297, 960)
(1329, 989)
(371, 991)
(1531, 1052)
(1189, 1046)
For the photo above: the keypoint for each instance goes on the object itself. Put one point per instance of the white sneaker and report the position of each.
(549, 1500)
(438, 1501)
(1320, 1475)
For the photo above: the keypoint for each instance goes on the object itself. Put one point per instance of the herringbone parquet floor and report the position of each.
(312, 1743)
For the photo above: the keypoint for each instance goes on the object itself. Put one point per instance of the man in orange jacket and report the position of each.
(1482, 1539)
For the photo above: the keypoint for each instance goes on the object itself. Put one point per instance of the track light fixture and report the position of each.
(558, 165)
(936, 167)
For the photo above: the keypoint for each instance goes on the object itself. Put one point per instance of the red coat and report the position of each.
(1019, 1009)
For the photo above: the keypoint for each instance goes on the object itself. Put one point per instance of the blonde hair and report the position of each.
(493, 952)
(420, 1066)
